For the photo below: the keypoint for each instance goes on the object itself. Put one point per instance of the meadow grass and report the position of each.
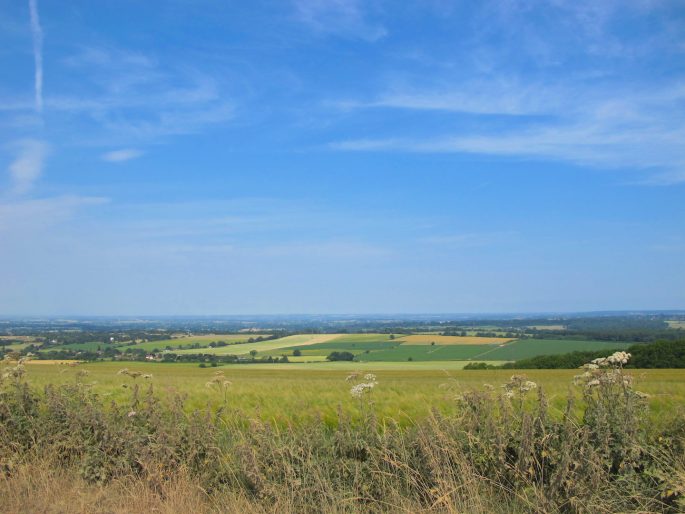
(292, 438)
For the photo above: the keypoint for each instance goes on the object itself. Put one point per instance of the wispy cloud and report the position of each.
(123, 155)
(345, 18)
(37, 33)
(606, 127)
(469, 240)
(132, 97)
(19, 215)
(27, 165)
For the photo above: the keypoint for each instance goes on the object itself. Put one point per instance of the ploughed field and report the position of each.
(297, 392)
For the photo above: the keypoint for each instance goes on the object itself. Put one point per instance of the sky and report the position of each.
(341, 156)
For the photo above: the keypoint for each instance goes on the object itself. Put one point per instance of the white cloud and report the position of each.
(19, 216)
(123, 155)
(339, 17)
(37, 33)
(28, 164)
(604, 127)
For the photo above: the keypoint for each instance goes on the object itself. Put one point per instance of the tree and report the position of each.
(297, 353)
(253, 353)
(340, 356)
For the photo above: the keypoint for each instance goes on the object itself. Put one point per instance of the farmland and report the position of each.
(266, 346)
(425, 347)
(397, 425)
(302, 391)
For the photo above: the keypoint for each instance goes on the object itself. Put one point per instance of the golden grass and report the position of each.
(53, 362)
(298, 391)
(37, 488)
(19, 338)
(425, 339)
(265, 346)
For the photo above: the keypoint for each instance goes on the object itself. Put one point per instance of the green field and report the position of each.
(288, 392)
(381, 348)
(526, 348)
(202, 340)
(422, 352)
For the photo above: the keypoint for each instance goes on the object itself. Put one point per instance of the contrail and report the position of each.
(37, 33)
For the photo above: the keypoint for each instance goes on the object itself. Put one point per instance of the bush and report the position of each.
(340, 356)
(500, 450)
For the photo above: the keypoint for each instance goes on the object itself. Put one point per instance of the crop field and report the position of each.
(202, 340)
(266, 346)
(421, 352)
(314, 348)
(677, 324)
(286, 393)
(449, 340)
(526, 348)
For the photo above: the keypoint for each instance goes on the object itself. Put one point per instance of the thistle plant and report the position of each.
(614, 409)
(133, 374)
(219, 383)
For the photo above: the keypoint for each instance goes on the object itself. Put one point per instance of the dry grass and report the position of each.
(36, 488)
(65, 448)
(426, 339)
(48, 362)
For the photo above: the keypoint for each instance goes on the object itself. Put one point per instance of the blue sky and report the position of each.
(331, 156)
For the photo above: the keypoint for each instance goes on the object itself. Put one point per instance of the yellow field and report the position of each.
(19, 338)
(265, 346)
(291, 392)
(425, 339)
(46, 362)
(676, 324)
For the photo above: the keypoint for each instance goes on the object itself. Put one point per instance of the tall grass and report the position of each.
(66, 449)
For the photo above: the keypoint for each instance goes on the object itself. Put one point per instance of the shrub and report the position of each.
(500, 450)
(340, 356)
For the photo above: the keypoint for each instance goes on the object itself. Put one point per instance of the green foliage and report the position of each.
(480, 365)
(340, 356)
(661, 354)
(499, 450)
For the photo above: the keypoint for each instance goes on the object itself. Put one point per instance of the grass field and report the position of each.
(420, 339)
(526, 348)
(424, 352)
(288, 392)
